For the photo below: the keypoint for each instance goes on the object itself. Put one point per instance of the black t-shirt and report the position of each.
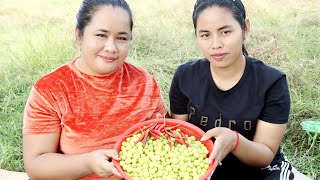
(261, 93)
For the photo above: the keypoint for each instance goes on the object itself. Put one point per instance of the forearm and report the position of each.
(183, 117)
(58, 166)
(253, 153)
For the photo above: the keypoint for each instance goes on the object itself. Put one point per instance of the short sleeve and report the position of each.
(277, 103)
(178, 101)
(40, 117)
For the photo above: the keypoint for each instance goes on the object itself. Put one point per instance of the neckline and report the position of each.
(92, 77)
(238, 84)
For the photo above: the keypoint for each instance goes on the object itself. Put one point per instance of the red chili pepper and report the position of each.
(151, 127)
(181, 138)
(144, 141)
(147, 127)
(183, 135)
(157, 127)
(162, 127)
(180, 141)
(169, 141)
(155, 134)
(141, 138)
(169, 133)
(172, 127)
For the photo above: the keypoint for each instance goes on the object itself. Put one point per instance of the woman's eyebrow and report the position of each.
(106, 31)
(224, 27)
(221, 28)
(203, 31)
(103, 30)
(125, 33)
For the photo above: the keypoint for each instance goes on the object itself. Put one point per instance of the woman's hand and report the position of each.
(225, 142)
(100, 162)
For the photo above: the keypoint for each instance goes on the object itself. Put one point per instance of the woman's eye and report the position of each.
(226, 32)
(122, 38)
(101, 35)
(205, 35)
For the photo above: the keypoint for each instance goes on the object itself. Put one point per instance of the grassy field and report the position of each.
(36, 36)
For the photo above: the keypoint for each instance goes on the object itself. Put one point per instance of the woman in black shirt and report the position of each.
(241, 103)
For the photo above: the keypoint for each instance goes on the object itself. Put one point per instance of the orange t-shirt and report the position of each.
(91, 112)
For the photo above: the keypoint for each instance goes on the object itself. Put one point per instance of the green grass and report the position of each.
(38, 36)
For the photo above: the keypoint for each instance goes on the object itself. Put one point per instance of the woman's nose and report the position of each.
(110, 45)
(216, 43)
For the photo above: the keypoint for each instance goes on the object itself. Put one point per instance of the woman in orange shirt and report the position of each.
(75, 114)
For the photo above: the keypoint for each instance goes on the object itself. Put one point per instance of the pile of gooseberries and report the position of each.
(159, 151)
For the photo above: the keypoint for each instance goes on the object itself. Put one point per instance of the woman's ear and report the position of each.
(246, 29)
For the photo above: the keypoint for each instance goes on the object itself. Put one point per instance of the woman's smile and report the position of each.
(108, 58)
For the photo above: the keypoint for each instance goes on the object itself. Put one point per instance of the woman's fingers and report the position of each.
(101, 165)
(109, 170)
(215, 164)
(221, 145)
(115, 171)
(112, 154)
(215, 152)
(209, 134)
(159, 116)
(215, 132)
(212, 155)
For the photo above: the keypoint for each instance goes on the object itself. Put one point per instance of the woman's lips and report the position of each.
(218, 56)
(108, 59)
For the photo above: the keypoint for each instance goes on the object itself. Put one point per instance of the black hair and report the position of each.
(234, 6)
(89, 7)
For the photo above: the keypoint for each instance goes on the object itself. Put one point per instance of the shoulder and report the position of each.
(52, 80)
(264, 72)
(133, 72)
(193, 66)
